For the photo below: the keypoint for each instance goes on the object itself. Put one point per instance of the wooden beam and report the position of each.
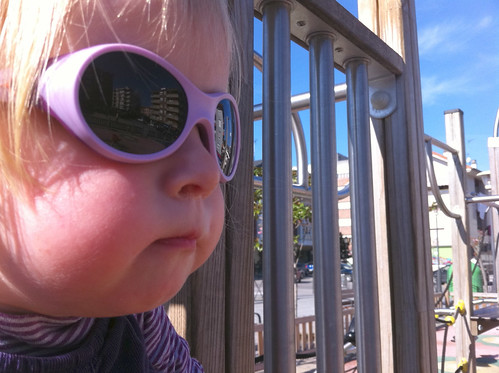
(484, 319)
(413, 328)
(239, 287)
(382, 250)
(493, 145)
(353, 39)
(214, 310)
(460, 238)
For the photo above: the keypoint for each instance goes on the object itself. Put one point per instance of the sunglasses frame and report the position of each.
(58, 95)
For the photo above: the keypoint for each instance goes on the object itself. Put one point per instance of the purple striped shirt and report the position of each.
(38, 335)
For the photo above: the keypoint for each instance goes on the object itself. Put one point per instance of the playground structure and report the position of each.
(389, 199)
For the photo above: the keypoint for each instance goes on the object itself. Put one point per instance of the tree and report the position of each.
(258, 211)
(302, 216)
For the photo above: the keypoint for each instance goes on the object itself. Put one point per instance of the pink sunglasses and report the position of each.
(130, 105)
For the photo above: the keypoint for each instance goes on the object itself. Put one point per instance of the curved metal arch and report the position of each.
(344, 192)
(430, 171)
(258, 60)
(301, 151)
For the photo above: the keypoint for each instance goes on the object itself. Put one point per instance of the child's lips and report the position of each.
(187, 242)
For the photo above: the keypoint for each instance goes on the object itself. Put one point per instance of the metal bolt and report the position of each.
(380, 100)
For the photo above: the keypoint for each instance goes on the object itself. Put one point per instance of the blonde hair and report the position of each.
(31, 30)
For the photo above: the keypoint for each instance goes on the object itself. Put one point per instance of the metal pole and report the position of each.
(362, 206)
(327, 284)
(439, 273)
(301, 101)
(279, 337)
(488, 200)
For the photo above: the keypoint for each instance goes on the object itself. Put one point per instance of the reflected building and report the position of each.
(126, 101)
(122, 99)
(166, 107)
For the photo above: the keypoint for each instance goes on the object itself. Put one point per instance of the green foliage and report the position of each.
(257, 213)
(257, 210)
(302, 213)
(257, 202)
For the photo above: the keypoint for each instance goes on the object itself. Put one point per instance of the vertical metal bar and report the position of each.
(279, 337)
(362, 206)
(327, 284)
(456, 163)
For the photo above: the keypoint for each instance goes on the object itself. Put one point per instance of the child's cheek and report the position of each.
(87, 239)
(216, 228)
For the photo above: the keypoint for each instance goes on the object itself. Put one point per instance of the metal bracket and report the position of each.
(382, 97)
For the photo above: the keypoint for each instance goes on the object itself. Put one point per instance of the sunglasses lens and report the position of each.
(132, 104)
(226, 135)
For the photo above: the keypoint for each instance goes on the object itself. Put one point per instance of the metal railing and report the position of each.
(334, 38)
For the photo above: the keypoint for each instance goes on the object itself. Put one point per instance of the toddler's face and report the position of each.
(102, 238)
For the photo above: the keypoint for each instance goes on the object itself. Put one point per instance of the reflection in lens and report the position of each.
(132, 104)
(225, 135)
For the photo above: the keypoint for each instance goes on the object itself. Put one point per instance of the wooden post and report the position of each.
(382, 252)
(214, 310)
(413, 325)
(493, 144)
(456, 163)
(239, 288)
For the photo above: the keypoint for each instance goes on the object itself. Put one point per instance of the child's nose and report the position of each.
(194, 171)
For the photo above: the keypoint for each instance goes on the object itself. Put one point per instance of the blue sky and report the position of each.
(459, 58)
(459, 64)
